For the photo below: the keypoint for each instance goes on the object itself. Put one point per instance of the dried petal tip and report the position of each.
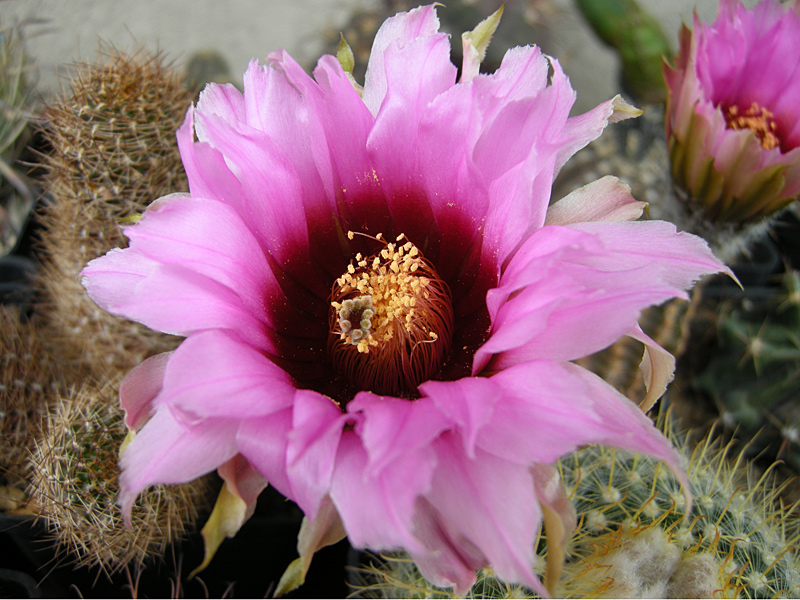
(391, 320)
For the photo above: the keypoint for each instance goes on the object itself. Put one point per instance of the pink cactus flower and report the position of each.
(380, 309)
(733, 119)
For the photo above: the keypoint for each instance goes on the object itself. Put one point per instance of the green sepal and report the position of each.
(131, 219)
(480, 37)
(345, 56)
(228, 516)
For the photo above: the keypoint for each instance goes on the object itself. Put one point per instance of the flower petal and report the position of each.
(235, 505)
(390, 427)
(551, 408)
(169, 298)
(607, 199)
(658, 368)
(140, 388)
(468, 403)
(317, 424)
(263, 442)
(324, 530)
(168, 451)
(208, 237)
(575, 295)
(377, 509)
(559, 517)
(491, 503)
(403, 28)
(213, 374)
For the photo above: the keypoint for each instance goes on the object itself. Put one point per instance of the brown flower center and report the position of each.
(757, 119)
(391, 320)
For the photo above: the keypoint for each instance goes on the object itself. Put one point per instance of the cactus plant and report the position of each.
(74, 485)
(113, 152)
(635, 539)
(753, 375)
(29, 378)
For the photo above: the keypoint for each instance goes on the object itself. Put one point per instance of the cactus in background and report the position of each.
(29, 379)
(113, 152)
(753, 375)
(75, 486)
(638, 38)
(17, 104)
(634, 539)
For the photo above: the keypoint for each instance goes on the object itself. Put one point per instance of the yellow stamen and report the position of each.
(757, 119)
(391, 319)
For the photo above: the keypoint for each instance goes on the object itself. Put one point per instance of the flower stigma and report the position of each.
(757, 119)
(391, 319)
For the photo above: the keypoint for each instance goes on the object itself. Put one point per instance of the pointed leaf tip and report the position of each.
(345, 55)
(474, 44)
(293, 577)
(480, 37)
(227, 517)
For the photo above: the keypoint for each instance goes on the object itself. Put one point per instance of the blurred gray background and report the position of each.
(64, 31)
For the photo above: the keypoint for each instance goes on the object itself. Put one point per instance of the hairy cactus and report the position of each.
(635, 539)
(29, 379)
(113, 152)
(74, 486)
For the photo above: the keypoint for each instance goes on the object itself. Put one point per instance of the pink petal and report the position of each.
(448, 559)
(578, 289)
(215, 374)
(317, 424)
(607, 199)
(468, 403)
(399, 30)
(491, 503)
(391, 427)
(209, 237)
(208, 174)
(550, 409)
(167, 451)
(139, 389)
(378, 510)
(263, 442)
(582, 129)
(169, 298)
(223, 100)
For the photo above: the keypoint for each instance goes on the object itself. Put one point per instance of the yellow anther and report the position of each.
(394, 312)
